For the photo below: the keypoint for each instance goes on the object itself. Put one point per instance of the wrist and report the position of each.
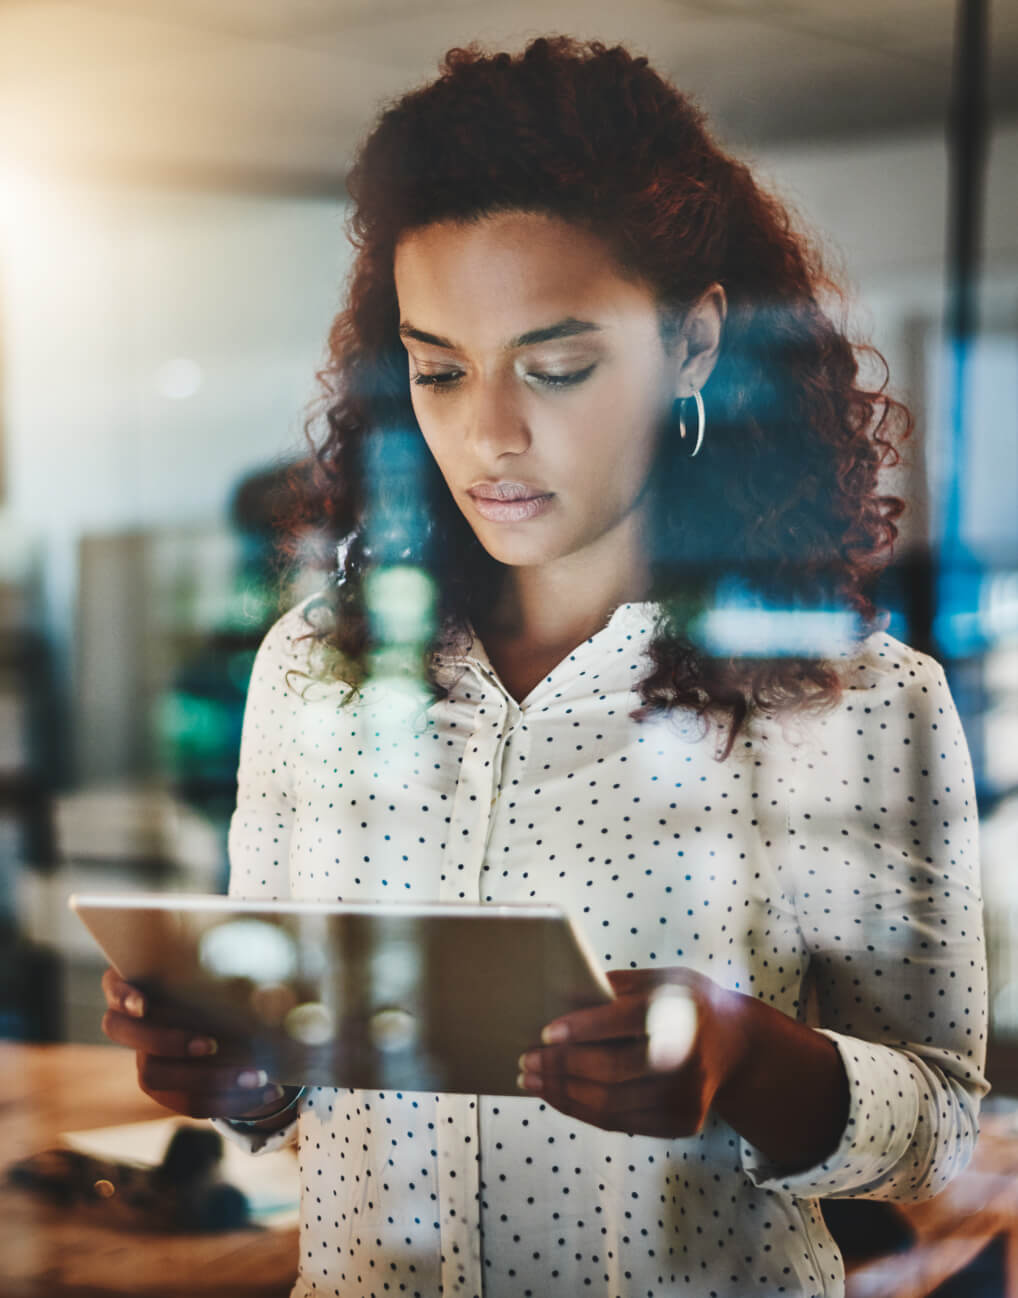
(274, 1118)
(786, 1092)
(738, 1017)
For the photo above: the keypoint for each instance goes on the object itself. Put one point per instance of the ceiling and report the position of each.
(274, 94)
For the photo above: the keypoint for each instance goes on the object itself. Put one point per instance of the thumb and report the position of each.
(630, 982)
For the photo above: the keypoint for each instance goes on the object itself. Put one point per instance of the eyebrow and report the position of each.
(568, 328)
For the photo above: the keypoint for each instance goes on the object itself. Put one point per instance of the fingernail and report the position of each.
(251, 1078)
(528, 1082)
(202, 1046)
(529, 1062)
(134, 1004)
(554, 1032)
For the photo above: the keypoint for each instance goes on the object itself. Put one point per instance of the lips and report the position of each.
(509, 502)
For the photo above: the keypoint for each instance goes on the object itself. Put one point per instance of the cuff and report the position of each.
(882, 1116)
(256, 1142)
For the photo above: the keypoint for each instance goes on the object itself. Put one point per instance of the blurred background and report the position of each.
(172, 251)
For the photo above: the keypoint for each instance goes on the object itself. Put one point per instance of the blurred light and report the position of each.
(272, 1002)
(977, 609)
(395, 966)
(392, 1029)
(671, 1025)
(248, 948)
(742, 624)
(999, 601)
(401, 604)
(311, 1024)
(178, 379)
(397, 518)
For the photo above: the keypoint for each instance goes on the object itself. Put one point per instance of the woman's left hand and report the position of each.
(650, 1063)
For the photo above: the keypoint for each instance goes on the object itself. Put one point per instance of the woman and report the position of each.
(645, 437)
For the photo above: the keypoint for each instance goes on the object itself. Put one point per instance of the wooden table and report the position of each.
(45, 1251)
(45, 1090)
(951, 1229)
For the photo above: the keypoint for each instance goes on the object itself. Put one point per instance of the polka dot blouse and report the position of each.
(828, 866)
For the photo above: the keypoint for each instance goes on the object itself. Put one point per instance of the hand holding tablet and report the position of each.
(181, 1068)
(241, 997)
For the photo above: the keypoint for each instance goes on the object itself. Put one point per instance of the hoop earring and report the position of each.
(701, 421)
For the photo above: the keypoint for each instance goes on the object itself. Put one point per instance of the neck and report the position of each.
(558, 605)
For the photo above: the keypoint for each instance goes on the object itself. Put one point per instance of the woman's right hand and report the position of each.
(182, 1069)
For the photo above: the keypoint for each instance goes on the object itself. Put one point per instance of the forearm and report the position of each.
(788, 1094)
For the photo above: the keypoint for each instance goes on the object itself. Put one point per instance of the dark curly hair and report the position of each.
(785, 492)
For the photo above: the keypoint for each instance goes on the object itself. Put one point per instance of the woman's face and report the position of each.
(539, 379)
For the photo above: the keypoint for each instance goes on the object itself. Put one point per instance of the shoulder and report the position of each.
(897, 708)
(883, 667)
(894, 710)
(893, 696)
(895, 729)
(289, 638)
(295, 652)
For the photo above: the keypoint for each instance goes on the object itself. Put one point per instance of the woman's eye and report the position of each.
(442, 380)
(445, 379)
(562, 380)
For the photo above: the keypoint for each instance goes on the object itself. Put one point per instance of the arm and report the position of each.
(787, 1094)
(262, 821)
(881, 866)
(778, 1083)
(261, 827)
(184, 1071)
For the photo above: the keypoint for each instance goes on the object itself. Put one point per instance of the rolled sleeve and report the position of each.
(883, 1115)
(882, 870)
(257, 1142)
(262, 822)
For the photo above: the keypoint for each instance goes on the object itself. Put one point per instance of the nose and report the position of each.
(497, 424)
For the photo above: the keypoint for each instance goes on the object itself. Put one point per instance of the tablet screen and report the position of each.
(439, 997)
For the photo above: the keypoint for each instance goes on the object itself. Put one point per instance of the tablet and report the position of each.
(379, 996)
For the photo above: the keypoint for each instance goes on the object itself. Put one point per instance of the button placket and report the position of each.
(458, 1125)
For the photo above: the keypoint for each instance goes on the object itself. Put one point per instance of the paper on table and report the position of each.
(270, 1181)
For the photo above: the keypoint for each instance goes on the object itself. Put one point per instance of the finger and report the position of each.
(641, 1110)
(633, 982)
(613, 1099)
(611, 1063)
(199, 1078)
(623, 1017)
(123, 996)
(628, 982)
(154, 1039)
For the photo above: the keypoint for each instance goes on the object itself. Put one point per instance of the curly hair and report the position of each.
(786, 489)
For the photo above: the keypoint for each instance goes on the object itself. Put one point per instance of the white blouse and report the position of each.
(837, 853)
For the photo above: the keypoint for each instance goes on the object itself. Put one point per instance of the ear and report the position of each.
(698, 341)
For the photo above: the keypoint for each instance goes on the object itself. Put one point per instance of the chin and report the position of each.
(517, 556)
(526, 556)
(516, 551)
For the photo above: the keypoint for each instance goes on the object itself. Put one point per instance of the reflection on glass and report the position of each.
(743, 623)
(248, 948)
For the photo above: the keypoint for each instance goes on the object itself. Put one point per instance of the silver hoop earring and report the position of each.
(701, 421)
